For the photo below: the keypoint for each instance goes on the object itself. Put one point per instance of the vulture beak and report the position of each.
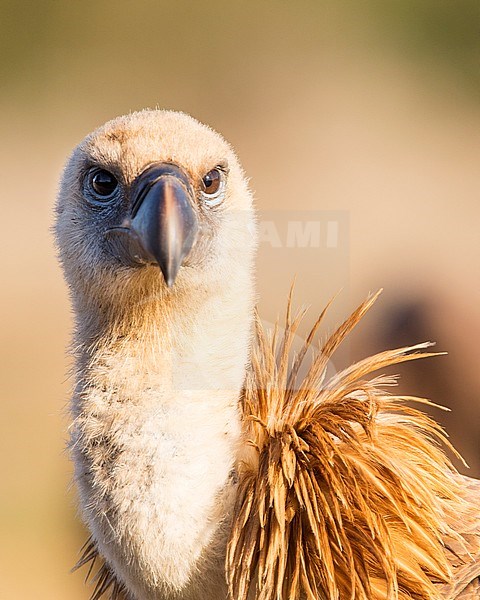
(164, 224)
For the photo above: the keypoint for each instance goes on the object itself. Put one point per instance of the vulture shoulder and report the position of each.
(344, 489)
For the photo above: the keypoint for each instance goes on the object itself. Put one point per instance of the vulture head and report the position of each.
(153, 203)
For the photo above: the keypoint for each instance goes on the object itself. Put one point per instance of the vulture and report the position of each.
(213, 461)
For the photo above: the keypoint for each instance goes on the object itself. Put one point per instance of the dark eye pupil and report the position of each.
(104, 183)
(211, 181)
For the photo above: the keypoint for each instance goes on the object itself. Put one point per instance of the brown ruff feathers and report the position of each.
(346, 493)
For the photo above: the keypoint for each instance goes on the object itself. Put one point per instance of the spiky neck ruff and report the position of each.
(346, 492)
(156, 429)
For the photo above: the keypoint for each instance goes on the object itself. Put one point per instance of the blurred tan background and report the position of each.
(370, 108)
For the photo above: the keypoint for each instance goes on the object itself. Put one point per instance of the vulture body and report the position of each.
(207, 468)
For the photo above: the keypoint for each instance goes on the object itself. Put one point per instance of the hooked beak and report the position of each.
(164, 223)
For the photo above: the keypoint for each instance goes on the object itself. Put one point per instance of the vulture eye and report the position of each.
(102, 183)
(213, 187)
